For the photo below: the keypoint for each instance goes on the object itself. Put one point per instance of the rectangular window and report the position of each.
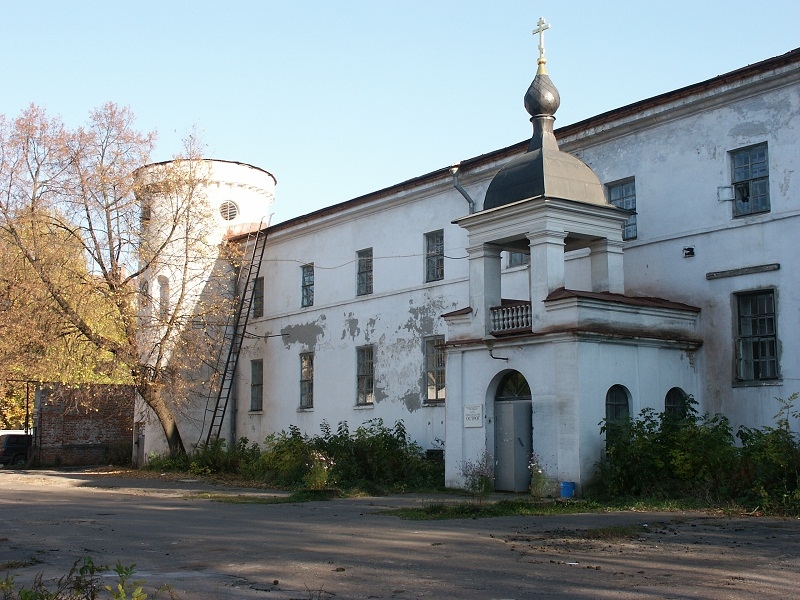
(364, 273)
(258, 297)
(307, 285)
(750, 180)
(256, 385)
(307, 380)
(365, 376)
(757, 337)
(434, 255)
(434, 368)
(163, 298)
(517, 259)
(622, 194)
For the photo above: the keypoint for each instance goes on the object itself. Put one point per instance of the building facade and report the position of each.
(510, 304)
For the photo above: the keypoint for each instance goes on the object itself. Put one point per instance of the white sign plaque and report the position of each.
(473, 415)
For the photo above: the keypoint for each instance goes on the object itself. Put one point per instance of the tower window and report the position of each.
(228, 210)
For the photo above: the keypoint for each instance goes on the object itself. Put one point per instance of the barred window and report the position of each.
(757, 336)
(365, 376)
(256, 385)
(434, 255)
(364, 273)
(676, 403)
(617, 403)
(307, 285)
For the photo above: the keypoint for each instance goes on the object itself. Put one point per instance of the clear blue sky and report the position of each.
(338, 99)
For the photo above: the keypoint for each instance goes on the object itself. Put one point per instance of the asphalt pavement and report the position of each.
(349, 548)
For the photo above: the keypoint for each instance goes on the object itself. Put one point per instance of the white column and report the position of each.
(484, 285)
(547, 267)
(607, 270)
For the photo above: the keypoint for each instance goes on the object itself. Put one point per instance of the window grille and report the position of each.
(365, 376)
(307, 285)
(757, 337)
(434, 255)
(364, 274)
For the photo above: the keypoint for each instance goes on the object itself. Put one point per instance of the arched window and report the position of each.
(513, 387)
(617, 403)
(676, 402)
(163, 297)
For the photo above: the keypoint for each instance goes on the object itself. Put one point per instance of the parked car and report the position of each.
(15, 448)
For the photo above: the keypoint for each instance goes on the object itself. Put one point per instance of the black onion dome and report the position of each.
(542, 97)
(543, 171)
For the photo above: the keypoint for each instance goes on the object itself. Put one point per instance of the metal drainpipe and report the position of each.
(467, 197)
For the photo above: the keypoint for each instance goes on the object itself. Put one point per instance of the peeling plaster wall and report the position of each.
(678, 165)
(395, 319)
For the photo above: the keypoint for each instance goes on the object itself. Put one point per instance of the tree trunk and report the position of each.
(149, 391)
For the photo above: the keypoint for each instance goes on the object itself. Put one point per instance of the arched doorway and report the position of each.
(513, 431)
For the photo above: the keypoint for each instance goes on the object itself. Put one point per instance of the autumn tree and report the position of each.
(82, 189)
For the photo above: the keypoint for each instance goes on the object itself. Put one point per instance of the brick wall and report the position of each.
(89, 425)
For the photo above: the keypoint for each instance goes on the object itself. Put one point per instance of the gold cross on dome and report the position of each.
(542, 26)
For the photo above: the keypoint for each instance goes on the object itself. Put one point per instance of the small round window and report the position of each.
(228, 210)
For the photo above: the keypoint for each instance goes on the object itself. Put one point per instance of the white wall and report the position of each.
(678, 161)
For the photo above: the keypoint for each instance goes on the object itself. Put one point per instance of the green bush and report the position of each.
(83, 582)
(374, 458)
(665, 456)
(770, 462)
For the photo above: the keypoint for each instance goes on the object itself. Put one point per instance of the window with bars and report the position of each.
(434, 255)
(258, 297)
(617, 403)
(435, 369)
(676, 403)
(622, 194)
(307, 285)
(757, 336)
(307, 380)
(365, 376)
(750, 168)
(617, 412)
(256, 385)
(364, 272)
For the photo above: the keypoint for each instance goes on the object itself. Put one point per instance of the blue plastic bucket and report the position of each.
(567, 489)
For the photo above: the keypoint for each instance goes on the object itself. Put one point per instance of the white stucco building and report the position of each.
(644, 256)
